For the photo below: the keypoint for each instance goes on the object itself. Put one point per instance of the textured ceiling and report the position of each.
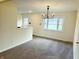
(40, 5)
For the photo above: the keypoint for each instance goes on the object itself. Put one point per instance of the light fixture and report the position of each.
(48, 14)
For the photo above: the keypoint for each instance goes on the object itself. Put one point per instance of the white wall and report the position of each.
(10, 35)
(77, 28)
(76, 38)
(68, 28)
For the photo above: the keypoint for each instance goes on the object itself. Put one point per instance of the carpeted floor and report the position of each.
(40, 48)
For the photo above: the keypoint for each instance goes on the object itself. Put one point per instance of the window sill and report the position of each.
(53, 30)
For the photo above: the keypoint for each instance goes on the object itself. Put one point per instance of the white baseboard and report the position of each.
(53, 39)
(13, 46)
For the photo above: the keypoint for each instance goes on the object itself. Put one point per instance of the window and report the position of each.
(22, 22)
(25, 22)
(53, 24)
(19, 23)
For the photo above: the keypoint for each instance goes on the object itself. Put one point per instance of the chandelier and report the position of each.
(48, 14)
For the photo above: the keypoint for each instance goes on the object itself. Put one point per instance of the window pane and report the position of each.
(25, 22)
(52, 25)
(60, 21)
(45, 26)
(60, 26)
(45, 20)
(45, 23)
(19, 23)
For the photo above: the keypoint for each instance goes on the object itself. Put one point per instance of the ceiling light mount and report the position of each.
(48, 14)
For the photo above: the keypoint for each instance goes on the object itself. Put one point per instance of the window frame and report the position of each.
(21, 22)
(57, 25)
(23, 25)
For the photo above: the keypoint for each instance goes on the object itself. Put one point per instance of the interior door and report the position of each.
(76, 39)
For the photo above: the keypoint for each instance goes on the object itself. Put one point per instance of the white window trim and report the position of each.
(57, 26)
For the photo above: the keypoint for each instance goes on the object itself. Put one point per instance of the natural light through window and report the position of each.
(23, 22)
(53, 24)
